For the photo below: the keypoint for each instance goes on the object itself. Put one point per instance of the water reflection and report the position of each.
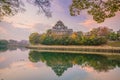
(3, 49)
(34, 65)
(12, 48)
(60, 62)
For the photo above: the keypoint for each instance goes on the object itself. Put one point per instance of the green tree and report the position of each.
(3, 45)
(3, 42)
(94, 40)
(113, 36)
(34, 38)
(49, 40)
(42, 38)
(12, 7)
(99, 9)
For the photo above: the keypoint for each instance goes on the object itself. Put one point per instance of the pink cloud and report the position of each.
(2, 30)
(2, 59)
(89, 23)
(23, 65)
(31, 65)
(112, 22)
(89, 69)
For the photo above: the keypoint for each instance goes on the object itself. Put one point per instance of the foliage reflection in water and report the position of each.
(35, 65)
(60, 62)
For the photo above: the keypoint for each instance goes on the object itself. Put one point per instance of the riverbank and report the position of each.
(77, 49)
(114, 43)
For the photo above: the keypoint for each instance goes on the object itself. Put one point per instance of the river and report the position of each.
(26, 64)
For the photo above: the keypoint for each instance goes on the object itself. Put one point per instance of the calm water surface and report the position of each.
(23, 64)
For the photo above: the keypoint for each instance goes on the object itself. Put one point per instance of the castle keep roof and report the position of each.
(60, 28)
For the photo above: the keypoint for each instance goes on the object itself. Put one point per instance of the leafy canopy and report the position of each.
(99, 9)
(12, 7)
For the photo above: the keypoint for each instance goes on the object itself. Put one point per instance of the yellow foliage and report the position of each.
(74, 36)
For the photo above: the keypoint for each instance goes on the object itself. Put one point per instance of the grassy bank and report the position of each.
(77, 49)
(114, 43)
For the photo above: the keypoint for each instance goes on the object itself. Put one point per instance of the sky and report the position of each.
(20, 26)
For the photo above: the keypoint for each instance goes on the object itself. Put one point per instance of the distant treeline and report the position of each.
(4, 43)
(96, 36)
(12, 45)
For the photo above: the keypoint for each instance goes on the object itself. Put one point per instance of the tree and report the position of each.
(43, 5)
(12, 7)
(100, 31)
(65, 39)
(94, 40)
(42, 38)
(3, 43)
(34, 38)
(49, 31)
(99, 9)
(113, 36)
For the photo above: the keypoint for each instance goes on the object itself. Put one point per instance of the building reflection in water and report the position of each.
(60, 62)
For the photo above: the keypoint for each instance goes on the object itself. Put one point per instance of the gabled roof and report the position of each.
(59, 25)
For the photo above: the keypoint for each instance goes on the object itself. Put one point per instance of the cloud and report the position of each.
(23, 65)
(56, 6)
(41, 28)
(88, 69)
(23, 25)
(20, 31)
(2, 59)
(9, 31)
(88, 23)
(112, 22)
(2, 30)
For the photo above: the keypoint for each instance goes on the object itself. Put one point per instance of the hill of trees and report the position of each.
(96, 36)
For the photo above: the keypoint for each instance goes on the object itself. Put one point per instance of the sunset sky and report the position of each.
(20, 26)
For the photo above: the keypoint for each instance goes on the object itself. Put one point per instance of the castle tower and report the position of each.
(59, 28)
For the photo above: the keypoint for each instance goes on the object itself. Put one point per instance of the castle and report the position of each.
(59, 28)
